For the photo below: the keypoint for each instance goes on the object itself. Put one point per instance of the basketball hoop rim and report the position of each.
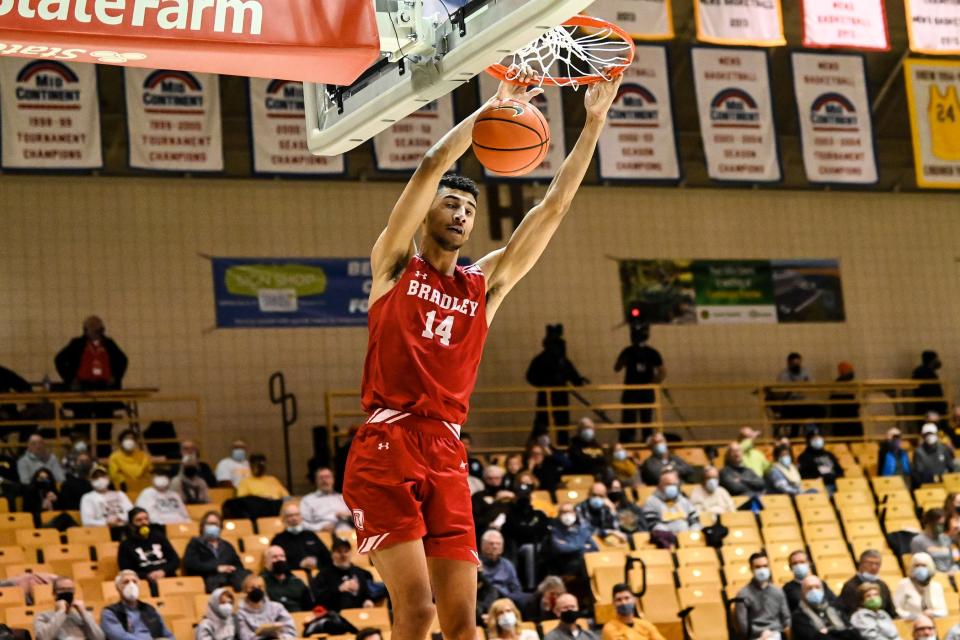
(500, 71)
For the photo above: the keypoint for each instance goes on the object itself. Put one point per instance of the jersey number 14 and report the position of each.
(444, 329)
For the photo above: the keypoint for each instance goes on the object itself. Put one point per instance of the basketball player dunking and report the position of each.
(406, 475)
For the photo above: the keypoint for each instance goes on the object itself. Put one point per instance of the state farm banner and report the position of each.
(173, 118)
(934, 26)
(279, 133)
(835, 123)
(743, 22)
(736, 114)
(50, 114)
(933, 94)
(857, 24)
(401, 147)
(642, 19)
(638, 141)
(550, 104)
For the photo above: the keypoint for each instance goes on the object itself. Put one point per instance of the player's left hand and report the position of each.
(516, 89)
(600, 97)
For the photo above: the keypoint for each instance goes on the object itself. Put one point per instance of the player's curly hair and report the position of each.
(459, 183)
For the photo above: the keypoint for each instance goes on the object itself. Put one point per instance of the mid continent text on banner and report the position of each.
(933, 95)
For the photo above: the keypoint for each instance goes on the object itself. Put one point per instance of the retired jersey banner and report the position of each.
(279, 132)
(743, 22)
(835, 123)
(857, 24)
(736, 114)
(642, 19)
(401, 147)
(933, 94)
(173, 118)
(638, 141)
(934, 26)
(50, 114)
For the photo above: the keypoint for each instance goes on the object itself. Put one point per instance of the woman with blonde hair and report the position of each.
(503, 622)
(919, 594)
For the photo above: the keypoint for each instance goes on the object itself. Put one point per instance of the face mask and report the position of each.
(225, 609)
(626, 609)
(596, 502)
(938, 529)
(786, 460)
(569, 617)
(801, 571)
(188, 458)
(895, 444)
(762, 574)
(568, 518)
(671, 491)
(43, 482)
(191, 472)
(131, 592)
(869, 577)
(930, 439)
(129, 444)
(659, 449)
(615, 496)
(815, 597)
(80, 447)
(507, 620)
(144, 531)
(239, 454)
(816, 443)
(795, 369)
(280, 568)
(101, 483)
(587, 435)
(255, 595)
(295, 530)
(66, 596)
(211, 531)
(873, 603)
(161, 482)
(711, 484)
(620, 455)
(921, 574)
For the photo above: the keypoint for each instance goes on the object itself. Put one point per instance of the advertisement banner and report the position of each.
(933, 95)
(757, 22)
(734, 291)
(638, 141)
(279, 133)
(736, 114)
(173, 119)
(50, 114)
(402, 145)
(642, 19)
(856, 24)
(835, 124)
(933, 26)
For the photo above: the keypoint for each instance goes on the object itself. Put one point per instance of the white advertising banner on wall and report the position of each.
(757, 22)
(857, 24)
(934, 26)
(401, 147)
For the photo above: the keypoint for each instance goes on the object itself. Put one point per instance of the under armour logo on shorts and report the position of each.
(358, 519)
(383, 445)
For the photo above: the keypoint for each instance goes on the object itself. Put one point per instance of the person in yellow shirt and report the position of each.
(259, 484)
(628, 625)
(130, 467)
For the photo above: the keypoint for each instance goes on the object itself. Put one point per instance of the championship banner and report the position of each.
(857, 24)
(642, 19)
(835, 123)
(51, 115)
(278, 131)
(173, 118)
(736, 114)
(934, 26)
(550, 104)
(401, 147)
(752, 22)
(933, 93)
(638, 141)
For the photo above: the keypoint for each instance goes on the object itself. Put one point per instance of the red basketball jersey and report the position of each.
(426, 339)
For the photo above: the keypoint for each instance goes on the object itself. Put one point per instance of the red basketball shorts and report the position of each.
(406, 479)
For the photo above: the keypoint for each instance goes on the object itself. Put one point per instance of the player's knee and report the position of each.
(464, 628)
(418, 615)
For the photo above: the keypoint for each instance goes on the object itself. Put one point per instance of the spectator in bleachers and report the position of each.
(190, 455)
(69, 619)
(131, 618)
(512, 466)
(600, 513)
(761, 608)
(892, 460)
(130, 466)
(41, 495)
(669, 511)
(624, 467)
(503, 622)
(628, 625)
(661, 458)
(259, 484)
(324, 509)
(753, 458)
(146, 550)
(524, 524)
(220, 621)
(586, 453)
(793, 590)
(870, 620)
(37, 457)
(282, 586)
(951, 427)
(259, 617)
(568, 611)
(498, 570)
(302, 548)
(547, 463)
(817, 618)
(164, 505)
(737, 478)
(919, 594)
(570, 538)
(783, 476)
(342, 585)
(816, 462)
(929, 366)
(189, 483)
(951, 514)
(77, 484)
(490, 506)
(709, 496)
(78, 445)
(934, 541)
(474, 465)
(544, 600)
(924, 629)
(629, 513)
(235, 467)
(103, 507)
(213, 558)
(932, 458)
(868, 572)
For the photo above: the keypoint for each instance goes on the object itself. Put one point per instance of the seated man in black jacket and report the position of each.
(342, 585)
(131, 617)
(282, 585)
(303, 549)
(816, 618)
(736, 477)
(213, 558)
(146, 550)
(817, 462)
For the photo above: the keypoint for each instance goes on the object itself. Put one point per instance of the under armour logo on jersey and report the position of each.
(383, 445)
(463, 465)
(421, 275)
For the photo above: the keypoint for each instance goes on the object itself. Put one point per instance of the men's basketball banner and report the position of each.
(278, 131)
(550, 104)
(933, 95)
(638, 141)
(401, 147)
(743, 22)
(50, 114)
(835, 124)
(642, 19)
(736, 114)
(857, 24)
(934, 26)
(173, 118)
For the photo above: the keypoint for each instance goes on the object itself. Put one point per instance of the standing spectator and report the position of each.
(544, 601)
(41, 496)
(816, 618)
(892, 460)
(737, 478)
(783, 476)
(585, 452)
(793, 589)
(601, 514)
(189, 484)
(503, 622)
(69, 619)
(38, 457)
(324, 509)
(552, 368)
(929, 366)
(77, 483)
(281, 585)
(130, 466)
(761, 606)
(258, 617)
(235, 467)
(103, 507)
(627, 625)
(933, 541)
(919, 594)
(220, 622)
(868, 572)
(644, 365)
(846, 407)
(164, 505)
(260, 484)
(753, 458)
(547, 463)
(709, 497)
(302, 548)
(817, 462)
(568, 611)
(629, 513)
(624, 467)
(793, 374)
(660, 458)
(669, 511)
(569, 539)
(870, 620)
(213, 558)
(499, 571)
(931, 459)
(146, 550)
(130, 618)
(342, 585)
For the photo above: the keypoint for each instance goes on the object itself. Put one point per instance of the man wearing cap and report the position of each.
(892, 460)
(146, 550)
(103, 506)
(846, 407)
(932, 458)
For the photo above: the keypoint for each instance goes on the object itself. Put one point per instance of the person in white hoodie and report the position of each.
(260, 618)
(220, 622)
(164, 505)
(103, 507)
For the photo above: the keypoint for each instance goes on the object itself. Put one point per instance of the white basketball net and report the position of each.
(561, 54)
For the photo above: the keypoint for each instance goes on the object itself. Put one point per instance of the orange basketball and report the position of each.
(511, 138)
